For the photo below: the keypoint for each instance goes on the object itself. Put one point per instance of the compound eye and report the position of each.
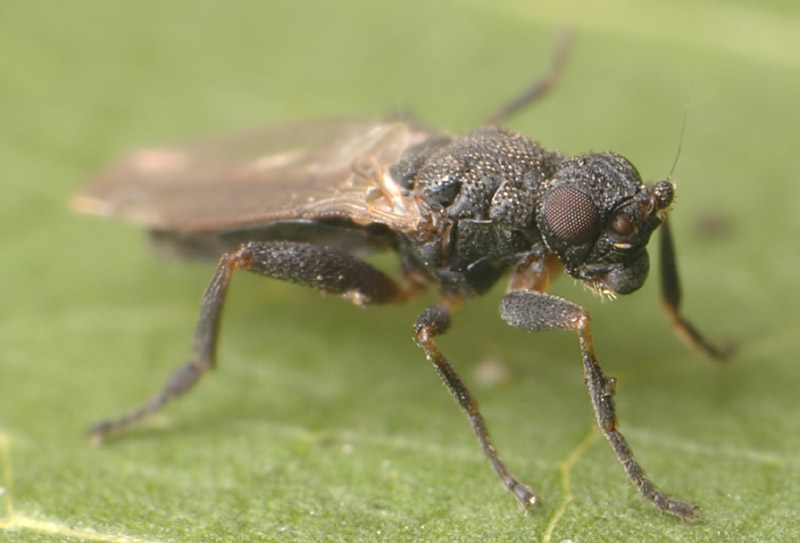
(622, 224)
(571, 215)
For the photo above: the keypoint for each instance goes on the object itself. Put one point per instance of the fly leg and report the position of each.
(671, 295)
(432, 322)
(534, 311)
(541, 86)
(326, 269)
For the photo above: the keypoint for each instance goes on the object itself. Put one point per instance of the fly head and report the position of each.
(597, 216)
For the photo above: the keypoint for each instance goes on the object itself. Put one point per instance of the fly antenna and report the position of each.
(680, 142)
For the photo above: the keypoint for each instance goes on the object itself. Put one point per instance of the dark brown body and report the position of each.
(302, 202)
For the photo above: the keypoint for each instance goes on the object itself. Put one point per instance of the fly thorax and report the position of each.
(485, 186)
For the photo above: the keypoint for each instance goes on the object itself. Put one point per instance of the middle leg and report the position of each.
(432, 322)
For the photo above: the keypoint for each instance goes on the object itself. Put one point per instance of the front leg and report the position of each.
(671, 297)
(534, 311)
(432, 322)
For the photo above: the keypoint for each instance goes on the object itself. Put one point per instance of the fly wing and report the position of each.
(306, 171)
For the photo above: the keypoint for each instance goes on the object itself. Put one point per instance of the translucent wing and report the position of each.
(297, 172)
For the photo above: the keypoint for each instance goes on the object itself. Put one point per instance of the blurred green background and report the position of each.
(324, 422)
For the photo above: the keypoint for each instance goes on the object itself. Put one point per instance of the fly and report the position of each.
(302, 202)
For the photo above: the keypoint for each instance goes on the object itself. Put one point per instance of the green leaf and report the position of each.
(324, 422)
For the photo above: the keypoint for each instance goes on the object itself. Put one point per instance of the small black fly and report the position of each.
(299, 202)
